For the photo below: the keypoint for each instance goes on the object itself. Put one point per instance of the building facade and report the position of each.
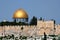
(32, 30)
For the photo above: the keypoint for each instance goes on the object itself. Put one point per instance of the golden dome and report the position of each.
(20, 13)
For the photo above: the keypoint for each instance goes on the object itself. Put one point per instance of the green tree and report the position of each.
(22, 28)
(45, 36)
(1, 38)
(54, 38)
(59, 37)
(12, 36)
(24, 37)
(33, 21)
(40, 18)
(16, 38)
(20, 37)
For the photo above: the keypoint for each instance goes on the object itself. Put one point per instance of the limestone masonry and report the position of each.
(32, 30)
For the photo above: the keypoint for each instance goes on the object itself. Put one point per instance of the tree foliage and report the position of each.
(33, 21)
(54, 38)
(45, 36)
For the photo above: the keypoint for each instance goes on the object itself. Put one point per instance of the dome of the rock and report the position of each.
(20, 13)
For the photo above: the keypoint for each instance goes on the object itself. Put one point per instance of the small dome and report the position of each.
(20, 13)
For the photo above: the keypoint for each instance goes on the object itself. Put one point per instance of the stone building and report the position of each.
(30, 30)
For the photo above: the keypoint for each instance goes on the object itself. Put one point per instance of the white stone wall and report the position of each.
(45, 26)
(42, 26)
(57, 31)
(27, 30)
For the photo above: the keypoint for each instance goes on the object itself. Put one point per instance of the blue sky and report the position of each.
(47, 9)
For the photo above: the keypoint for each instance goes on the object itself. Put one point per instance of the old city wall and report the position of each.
(29, 30)
(57, 29)
(45, 26)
